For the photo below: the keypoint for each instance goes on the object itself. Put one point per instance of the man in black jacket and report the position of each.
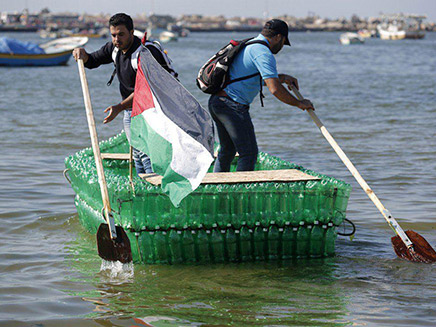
(123, 50)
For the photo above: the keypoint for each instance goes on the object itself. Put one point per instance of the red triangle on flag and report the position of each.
(143, 98)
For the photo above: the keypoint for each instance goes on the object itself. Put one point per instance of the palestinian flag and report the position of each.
(171, 127)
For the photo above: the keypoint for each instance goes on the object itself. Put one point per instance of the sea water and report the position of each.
(378, 100)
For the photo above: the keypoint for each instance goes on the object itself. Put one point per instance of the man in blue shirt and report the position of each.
(229, 107)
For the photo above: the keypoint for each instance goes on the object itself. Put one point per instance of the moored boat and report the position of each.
(391, 31)
(364, 33)
(167, 36)
(278, 212)
(414, 26)
(53, 53)
(351, 38)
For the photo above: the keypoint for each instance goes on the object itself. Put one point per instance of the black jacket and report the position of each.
(125, 72)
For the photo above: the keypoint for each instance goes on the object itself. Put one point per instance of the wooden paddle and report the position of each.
(112, 242)
(407, 245)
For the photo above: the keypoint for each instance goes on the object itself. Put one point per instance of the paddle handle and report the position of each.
(96, 150)
(386, 214)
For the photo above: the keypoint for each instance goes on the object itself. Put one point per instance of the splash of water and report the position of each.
(116, 271)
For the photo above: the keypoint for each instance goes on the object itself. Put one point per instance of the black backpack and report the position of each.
(214, 75)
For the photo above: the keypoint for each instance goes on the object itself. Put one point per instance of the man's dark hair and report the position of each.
(268, 32)
(121, 19)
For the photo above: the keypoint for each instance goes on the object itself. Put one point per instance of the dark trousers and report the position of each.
(235, 132)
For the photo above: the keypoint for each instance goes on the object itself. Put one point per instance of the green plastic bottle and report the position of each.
(231, 244)
(326, 201)
(284, 213)
(330, 238)
(259, 243)
(209, 206)
(217, 246)
(296, 202)
(174, 240)
(288, 241)
(202, 246)
(316, 241)
(188, 246)
(245, 243)
(194, 213)
(303, 241)
(160, 240)
(148, 248)
(273, 242)
(269, 208)
(224, 215)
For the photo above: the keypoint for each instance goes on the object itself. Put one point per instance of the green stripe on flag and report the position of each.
(160, 151)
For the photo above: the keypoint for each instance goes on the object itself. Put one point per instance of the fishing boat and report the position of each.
(391, 29)
(167, 36)
(277, 212)
(351, 38)
(414, 26)
(53, 53)
(365, 33)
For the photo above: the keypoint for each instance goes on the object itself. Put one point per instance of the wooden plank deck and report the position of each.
(259, 176)
(115, 156)
(125, 156)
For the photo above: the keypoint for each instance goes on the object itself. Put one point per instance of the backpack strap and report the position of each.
(114, 59)
(134, 58)
(252, 75)
(133, 61)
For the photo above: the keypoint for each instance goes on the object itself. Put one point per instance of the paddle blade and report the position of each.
(113, 250)
(423, 252)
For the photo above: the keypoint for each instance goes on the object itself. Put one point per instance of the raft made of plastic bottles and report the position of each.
(254, 221)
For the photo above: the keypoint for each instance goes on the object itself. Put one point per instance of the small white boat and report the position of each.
(364, 33)
(167, 36)
(390, 31)
(351, 38)
(64, 44)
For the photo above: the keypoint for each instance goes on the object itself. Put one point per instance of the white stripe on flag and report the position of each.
(190, 158)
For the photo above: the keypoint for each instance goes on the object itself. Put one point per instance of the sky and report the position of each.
(230, 8)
